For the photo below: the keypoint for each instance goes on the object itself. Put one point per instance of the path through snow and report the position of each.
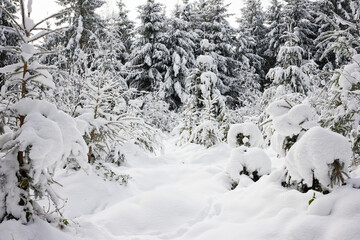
(184, 195)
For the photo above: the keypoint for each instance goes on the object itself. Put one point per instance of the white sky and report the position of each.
(43, 8)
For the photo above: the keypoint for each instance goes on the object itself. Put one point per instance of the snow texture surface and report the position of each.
(185, 194)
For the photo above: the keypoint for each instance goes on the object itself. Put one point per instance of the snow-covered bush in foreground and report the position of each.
(47, 138)
(253, 162)
(342, 114)
(43, 136)
(319, 160)
(247, 134)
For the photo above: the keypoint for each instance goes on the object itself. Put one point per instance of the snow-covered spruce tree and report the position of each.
(104, 113)
(288, 124)
(97, 98)
(124, 27)
(339, 38)
(84, 32)
(247, 87)
(284, 99)
(341, 113)
(253, 162)
(299, 15)
(206, 104)
(252, 22)
(210, 23)
(277, 26)
(43, 136)
(8, 35)
(150, 56)
(181, 45)
(247, 134)
(292, 70)
(81, 37)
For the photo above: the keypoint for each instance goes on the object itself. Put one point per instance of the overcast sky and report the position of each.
(43, 8)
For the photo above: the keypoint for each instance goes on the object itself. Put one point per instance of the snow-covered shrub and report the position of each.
(253, 162)
(204, 114)
(42, 138)
(289, 123)
(207, 133)
(156, 113)
(48, 138)
(319, 160)
(189, 118)
(342, 112)
(247, 134)
(273, 94)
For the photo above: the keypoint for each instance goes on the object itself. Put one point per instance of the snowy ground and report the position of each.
(185, 194)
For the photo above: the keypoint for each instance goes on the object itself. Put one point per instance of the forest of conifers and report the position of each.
(77, 86)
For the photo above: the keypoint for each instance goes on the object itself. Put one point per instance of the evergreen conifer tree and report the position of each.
(150, 56)
(292, 69)
(277, 26)
(252, 23)
(299, 15)
(8, 36)
(124, 27)
(181, 45)
(84, 33)
(210, 23)
(38, 136)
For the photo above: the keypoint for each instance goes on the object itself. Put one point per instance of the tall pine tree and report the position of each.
(150, 56)
(8, 36)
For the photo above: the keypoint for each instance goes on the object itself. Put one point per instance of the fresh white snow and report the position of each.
(185, 194)
(249, 159)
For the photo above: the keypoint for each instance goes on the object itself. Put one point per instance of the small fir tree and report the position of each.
(29, 153)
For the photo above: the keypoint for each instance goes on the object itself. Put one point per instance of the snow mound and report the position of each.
(250, 161)
(250, 133)
(314, 154)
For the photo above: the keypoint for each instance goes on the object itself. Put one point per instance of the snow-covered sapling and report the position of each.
(253, 162)
(247, 134)
(318, 161)
(343, 115)
(205, 104)
(43, 137)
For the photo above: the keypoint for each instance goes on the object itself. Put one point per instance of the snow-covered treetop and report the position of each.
(248, 130)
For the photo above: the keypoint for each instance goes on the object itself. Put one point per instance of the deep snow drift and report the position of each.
(185, 194)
